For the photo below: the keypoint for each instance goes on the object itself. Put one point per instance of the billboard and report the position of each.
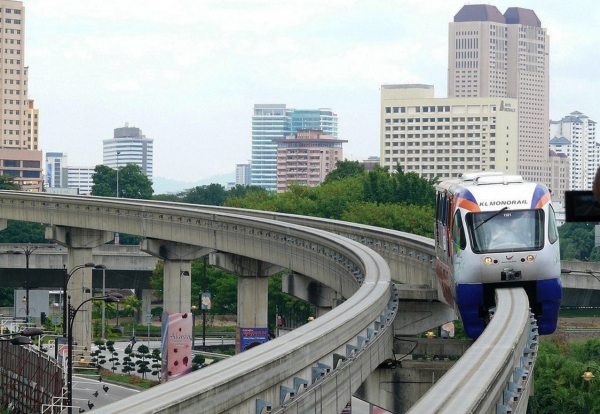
(250, 337)
(176, 345)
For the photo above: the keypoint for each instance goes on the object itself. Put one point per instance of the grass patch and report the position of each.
(579, 313)
(129, 379)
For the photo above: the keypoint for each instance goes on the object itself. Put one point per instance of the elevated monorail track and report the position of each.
(499, 365)
(315, 368)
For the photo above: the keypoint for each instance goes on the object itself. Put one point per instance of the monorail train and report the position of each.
(494, 230)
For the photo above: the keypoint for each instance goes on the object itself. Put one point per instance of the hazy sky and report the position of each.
(187, 72)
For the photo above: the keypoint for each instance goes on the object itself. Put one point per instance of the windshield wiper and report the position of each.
(491, 217)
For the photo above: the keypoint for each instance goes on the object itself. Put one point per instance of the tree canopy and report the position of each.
(577, 242)
(132, 182)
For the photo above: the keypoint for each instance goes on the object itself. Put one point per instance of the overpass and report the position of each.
(317, 367)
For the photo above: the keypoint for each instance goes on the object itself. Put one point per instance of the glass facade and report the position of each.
(271, 122)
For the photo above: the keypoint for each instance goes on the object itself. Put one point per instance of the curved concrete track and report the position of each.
(316, 368)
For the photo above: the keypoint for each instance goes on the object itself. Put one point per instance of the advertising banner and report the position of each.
(176, 345)
(251, 337)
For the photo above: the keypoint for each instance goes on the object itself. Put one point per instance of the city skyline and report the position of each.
(189, 75)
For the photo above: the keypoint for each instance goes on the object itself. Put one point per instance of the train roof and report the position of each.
(487, 190)
(480, 178)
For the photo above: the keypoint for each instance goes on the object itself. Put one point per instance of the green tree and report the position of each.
(143, 352)
(408, 218)
(211, 195)
(198, 362)
(23, 232)
(156, 362)
(133, 305)
(7, 182)
(132, 182)
(576, 241)
(345, 169)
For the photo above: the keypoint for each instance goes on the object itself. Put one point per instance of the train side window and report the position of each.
(458, 232)
(552, 229)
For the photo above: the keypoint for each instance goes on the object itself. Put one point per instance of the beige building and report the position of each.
(19, 144)
(306, 158)
(505, 55)
(25, 166)
(444, 137)
(561, 172)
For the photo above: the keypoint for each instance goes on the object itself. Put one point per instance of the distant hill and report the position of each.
(167, 186)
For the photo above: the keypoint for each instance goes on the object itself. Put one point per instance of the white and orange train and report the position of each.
(494, 230)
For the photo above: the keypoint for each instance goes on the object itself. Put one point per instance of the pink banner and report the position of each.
(176, 345)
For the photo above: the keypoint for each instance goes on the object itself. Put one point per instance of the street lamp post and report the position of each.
(72, 313)
(66, 277)
(24, 337)
(118, 152)
(27, 250)
(203, 307)
(194, 307)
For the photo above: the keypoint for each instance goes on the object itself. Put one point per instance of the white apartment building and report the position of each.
(129, 146)
(505, 55)
(80, 177)
(242, 174)
(444, 137)
(575, 136)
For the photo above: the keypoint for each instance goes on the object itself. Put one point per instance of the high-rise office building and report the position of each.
(306, 158)
(129, 146)
(81, 178)
(242, 174)
(445, 137)
(19, 151)
(275, 121)
(575, 136)
(505, 55)
(56, 170)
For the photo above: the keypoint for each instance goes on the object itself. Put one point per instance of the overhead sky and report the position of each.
(188, 72)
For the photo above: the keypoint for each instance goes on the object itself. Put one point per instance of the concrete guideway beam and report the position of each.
(177, 282)
(309, 290)
(253, 286)
(415, 317)
(80, 242)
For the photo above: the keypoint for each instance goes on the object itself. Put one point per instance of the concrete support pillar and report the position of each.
(80, 242)
(177, 284)
(146, 297)
(253, 284)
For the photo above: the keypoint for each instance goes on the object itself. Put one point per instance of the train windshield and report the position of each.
(493, 231)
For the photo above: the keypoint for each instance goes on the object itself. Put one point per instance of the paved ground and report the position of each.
(90, 391)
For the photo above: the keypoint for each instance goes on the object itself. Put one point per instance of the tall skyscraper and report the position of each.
(129, 146)
(19, 151)
(505, 55)
(575, 136)
(275, 121)
(57, 170)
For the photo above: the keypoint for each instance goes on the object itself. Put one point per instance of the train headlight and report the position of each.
(488, 260)
(530, 258)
